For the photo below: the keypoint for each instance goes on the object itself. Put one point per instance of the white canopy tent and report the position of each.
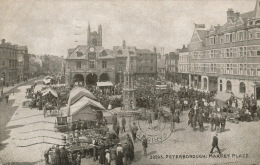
(49, 90)
(79, 92)
(85, 108)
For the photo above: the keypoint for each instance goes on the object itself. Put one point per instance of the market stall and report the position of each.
(49, 91)
(85, 108)
(79, 92)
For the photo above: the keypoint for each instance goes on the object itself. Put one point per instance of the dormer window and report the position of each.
(103, 53)
(79, 54)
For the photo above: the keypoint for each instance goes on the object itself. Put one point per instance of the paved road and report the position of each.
(7, 110)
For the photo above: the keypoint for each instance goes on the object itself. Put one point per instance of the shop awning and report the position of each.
(51, 91)
(104, 84)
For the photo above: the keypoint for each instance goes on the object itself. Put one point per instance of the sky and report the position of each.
(52, 27)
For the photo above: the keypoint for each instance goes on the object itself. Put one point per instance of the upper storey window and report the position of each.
(212, 40)
(228, 38)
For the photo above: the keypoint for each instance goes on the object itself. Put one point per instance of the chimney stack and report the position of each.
(154, 49)
(236, 14)
(230, 14)
(3, 41)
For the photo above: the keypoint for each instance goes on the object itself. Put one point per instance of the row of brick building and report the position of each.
(226, 57)
(91, 63)
(14, 63)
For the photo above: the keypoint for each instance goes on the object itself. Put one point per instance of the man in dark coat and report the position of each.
(194, 123)
(46, 156)
(145, 145)
(215, 144)
(64, 156)
(117, 129)
(223, 123)
(57, 156)
(114, 121)
(200, 120)
(102, 156)
(217, 124)
(123, 122)
(119, 158)
(78, 125)
(126, 153)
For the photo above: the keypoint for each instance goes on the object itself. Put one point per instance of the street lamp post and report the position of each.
(2, 88)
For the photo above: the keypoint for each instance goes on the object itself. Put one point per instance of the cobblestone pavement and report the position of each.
(31, 134)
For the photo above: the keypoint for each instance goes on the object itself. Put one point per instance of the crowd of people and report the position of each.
(39, 101)
(202, 109)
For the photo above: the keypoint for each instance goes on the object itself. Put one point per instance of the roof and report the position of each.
(79, 92)
(81, 104)
(109, 54)
(70, 51)
(21, 47)
(249, 14)
(79, 49)
(125, 50)
(173, 55)
(143, 51)
(104, 84)
(49, 90)
(222, 29)
(81, 52)
(202, 34)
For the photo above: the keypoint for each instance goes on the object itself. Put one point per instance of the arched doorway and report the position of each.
(229, 86)
(205, 84)
(220, 85)
(258, 93)
(104, 77)
(78, 78)
(91, 79)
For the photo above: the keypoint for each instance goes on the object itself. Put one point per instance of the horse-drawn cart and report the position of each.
(61, 124)
(51, 108)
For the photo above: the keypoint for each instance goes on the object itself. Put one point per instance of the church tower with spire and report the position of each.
(128, 88)
(95, 37)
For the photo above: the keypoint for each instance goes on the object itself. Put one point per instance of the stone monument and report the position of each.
(128, 88)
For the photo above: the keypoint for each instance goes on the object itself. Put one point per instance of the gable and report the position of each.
(239, 22)
(195, 37)
(103, 53)
(212, 29)
(230, 24)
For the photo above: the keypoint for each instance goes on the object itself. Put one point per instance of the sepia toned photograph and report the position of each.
(120, 82)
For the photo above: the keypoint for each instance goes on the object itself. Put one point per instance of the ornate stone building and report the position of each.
(227, 57)
(88, 64)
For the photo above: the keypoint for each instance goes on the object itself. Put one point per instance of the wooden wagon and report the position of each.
(61, 124)
(51, 108)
